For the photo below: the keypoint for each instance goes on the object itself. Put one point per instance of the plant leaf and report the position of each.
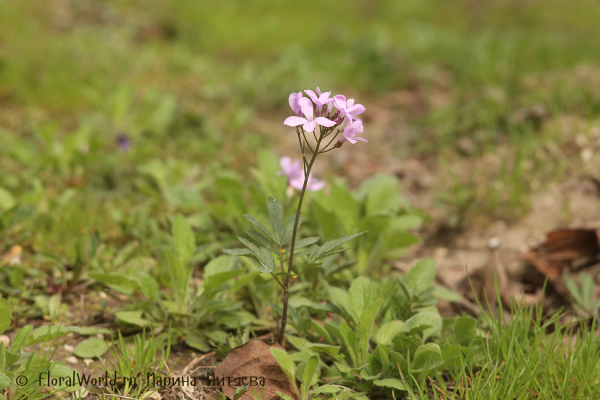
(185, 240)
(365, 324)
(5, 315)
(260, 226)
(465, 329)
(91, 348)
(276, 218)
(387, 332)
(421, 276)
(328, 246)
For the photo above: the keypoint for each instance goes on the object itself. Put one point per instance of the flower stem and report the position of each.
(286, 282)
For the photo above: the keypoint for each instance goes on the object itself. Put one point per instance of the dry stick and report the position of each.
(287, 277)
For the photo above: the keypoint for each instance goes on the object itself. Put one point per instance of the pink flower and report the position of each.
(347, 107)
(309, 123)
(320, 101)
(353, 129)
(294, 97)
(295, 175)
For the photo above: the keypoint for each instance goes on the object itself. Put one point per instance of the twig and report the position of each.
(197, 360)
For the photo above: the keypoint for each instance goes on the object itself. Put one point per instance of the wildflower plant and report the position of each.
(335, 118)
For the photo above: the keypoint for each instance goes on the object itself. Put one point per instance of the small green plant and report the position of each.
(135, 362)
(584, 296)
(22, 374)
(318, 110)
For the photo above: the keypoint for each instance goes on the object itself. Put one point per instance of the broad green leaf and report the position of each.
(219, 264)
(362, 293)
(4, 381)
(276, 218)
(185, 240)
(260, 226)
(341, 299)
(197, 342)
(427, 354)
(382, 353)
(20, 339)
(216, 280)
(365, 324)
(383, 196)
(7, 201)
(49, 333)
(391, 383)
(451, 356)
(422, 321)
(328, 246)
(421, 276)
(62, 371)
(5, 315)
(149, 287)
(321, 331)
(111, 279)
(346, 207)
(445, 294)
(132, 318)
(91, 348)
(465, 329)
(310, 370)
(388, 332)
(350, 342)
(285, 362)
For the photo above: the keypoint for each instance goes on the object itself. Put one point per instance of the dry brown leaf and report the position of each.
(564, 247)
(255, 359)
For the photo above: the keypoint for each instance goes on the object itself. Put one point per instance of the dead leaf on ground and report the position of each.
(255, 359)
(564, 248)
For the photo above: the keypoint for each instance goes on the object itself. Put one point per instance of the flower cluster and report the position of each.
(331, 114)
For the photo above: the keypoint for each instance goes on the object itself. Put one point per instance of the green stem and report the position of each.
(286, 283)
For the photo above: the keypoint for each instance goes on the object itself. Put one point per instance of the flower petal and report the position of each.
(324, 122)
(356, 109)
(294, 121)
(339, 101)
(307, 108)
(314, 184)
(309, 126)
(350, 103)
(312, 95)
(297, 182)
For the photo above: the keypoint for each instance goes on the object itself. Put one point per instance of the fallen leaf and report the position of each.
(254, 359)
(570, 248)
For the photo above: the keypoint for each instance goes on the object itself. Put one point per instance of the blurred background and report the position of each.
(115, 111)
